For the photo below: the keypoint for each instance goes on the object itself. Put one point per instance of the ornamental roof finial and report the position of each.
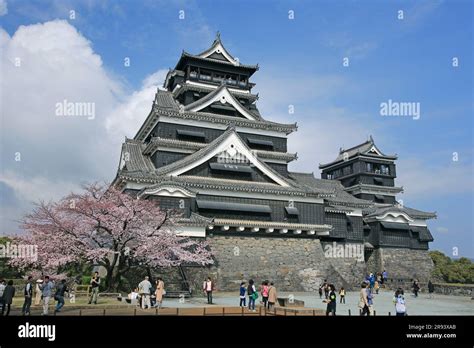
(218, 36)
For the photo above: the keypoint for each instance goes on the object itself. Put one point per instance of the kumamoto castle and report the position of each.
(207, 152)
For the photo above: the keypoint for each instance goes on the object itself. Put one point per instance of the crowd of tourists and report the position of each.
(369, 288)
(248, 291)
(44, 290)
(147, 294)
(267, 291)
(150, 294)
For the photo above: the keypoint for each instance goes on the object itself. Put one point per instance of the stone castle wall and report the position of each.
(299, 264)
(293, 264)
(402, 263)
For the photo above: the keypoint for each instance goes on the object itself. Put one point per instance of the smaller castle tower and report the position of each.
(365, 172)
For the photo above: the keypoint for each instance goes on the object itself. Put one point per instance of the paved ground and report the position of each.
(439, 305)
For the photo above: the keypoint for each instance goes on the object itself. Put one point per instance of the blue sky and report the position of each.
(407, 60)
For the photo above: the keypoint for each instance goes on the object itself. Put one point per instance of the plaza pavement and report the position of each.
(439, 305)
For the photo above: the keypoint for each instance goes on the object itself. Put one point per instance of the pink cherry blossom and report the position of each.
(106, 227)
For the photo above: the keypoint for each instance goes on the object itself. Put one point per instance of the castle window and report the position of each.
(231, 168)
(349, 224)
(260, 143)
(394, 226)
(369, 167)
(205, 75)
(193, 73)
(218, 77)
(378, 181)
(379, 199)
(347, 170)
(240, 207)
(384, 169)
(337, 173)
(292, 211)
(191, 135)
(231, 79)
(243, 81)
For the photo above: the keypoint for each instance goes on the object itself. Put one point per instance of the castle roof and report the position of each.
(166, 105)
(217, 53)
(381, 210)
(223, 95)
(338, 197)
(367, 148)
(207, 89)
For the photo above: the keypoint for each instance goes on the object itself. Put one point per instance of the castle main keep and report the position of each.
(207, 152)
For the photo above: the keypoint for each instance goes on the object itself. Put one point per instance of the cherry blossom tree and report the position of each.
(106, 227)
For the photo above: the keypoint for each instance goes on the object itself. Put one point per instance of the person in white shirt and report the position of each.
(133, 295)
(145, 289)
(208, 287)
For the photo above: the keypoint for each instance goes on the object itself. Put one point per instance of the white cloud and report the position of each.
(59, 153)
(44, 64)
(129, 115)
(3, 7)
(32, 189)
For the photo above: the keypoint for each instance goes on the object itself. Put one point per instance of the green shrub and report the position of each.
(452, 271)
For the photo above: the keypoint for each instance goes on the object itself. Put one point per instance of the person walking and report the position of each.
(47, 290)
(144, 289)
(272, 296)
(384, 276)
(430, 289)
(61, 289)
(379, 278)
(28, 293)
(320, 291)
(372, 280)
(265, 293)
(95, 283)
(252, 294)
(376, 287)
(416, 287)
(2, 289)
(208, 287)
(363, 301)
(370, 300)
(331, 301)
(8, 294)
(342, 295)
(242, 292)
(326, 289)
(400, 305)
(38, 293)
(160, 291)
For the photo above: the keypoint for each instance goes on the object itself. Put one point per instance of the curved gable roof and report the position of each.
(223, 95)
(228, 138)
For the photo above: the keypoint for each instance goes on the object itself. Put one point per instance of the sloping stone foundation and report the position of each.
(299, 264)
(402, 263)
(293, 264)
